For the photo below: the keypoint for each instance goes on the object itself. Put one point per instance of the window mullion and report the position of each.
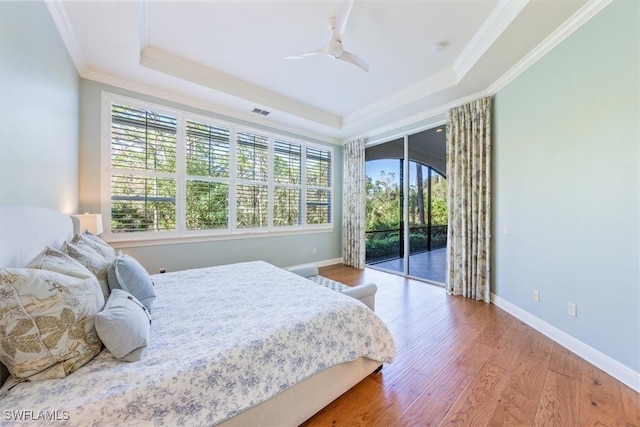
(270, 182)
(105, 196)
(181, 172)
(303, 182)
(233, 180)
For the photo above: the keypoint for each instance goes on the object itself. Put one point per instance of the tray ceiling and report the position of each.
(229, 56)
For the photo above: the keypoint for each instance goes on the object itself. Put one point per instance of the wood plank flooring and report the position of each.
(467, 363)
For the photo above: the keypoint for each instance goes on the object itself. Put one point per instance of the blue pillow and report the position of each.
(129, 275)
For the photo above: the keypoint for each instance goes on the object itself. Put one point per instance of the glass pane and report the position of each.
(384, 239)
(287, 161)
(207, 150)
(318, 167)
(318, 207)
(253, 156)
(428, 223)
(207, 205)
(142, 204)
(286, 206)
(418, 210)
(439, 212)
(142, 140)
(252, 206)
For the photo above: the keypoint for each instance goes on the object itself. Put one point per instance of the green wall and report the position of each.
(39, 90)
(567, 185)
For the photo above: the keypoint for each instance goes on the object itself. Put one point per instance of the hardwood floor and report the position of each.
(462, 362)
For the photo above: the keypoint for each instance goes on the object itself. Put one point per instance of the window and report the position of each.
(287, 170)
(143, 165)
(318, 168)
(207, 181)
(173, 174)
(252, 191)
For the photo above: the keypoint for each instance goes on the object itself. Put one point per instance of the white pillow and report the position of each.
(124, 326)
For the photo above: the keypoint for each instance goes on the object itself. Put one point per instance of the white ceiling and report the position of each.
(228, 55)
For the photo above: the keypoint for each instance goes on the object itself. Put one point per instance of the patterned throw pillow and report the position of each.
(95, 263)
(47, 327)
(97, 244)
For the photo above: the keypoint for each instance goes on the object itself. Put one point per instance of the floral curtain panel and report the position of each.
(469, 199)
(354, 202)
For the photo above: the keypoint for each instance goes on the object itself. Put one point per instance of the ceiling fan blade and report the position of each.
(306, 54)
(354, 59)
(342, 18)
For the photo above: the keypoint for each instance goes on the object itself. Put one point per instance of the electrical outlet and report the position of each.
(573, 309)
(314, 251)
(536, 295)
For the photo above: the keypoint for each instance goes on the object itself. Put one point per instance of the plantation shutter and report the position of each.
(252, 191)
(143, 167)
(287, 209)
(207, 183)
(318, 195)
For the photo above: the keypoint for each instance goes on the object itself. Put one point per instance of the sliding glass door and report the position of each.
(406, 224)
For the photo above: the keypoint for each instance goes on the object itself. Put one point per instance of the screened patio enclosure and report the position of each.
(406, 224)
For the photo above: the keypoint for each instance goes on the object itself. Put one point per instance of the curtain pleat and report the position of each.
(469, 199)
(354, 202)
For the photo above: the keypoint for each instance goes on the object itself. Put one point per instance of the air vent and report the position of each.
(261, 112)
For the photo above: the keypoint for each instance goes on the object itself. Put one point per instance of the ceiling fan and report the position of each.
(334, 48)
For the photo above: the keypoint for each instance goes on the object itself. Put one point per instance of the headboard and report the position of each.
(24, 232)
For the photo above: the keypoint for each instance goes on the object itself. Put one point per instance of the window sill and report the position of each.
(159, 240)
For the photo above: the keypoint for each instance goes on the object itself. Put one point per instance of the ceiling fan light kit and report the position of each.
(437, 48)
(334, 48)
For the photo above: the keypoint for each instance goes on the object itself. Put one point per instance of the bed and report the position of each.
(240, 344)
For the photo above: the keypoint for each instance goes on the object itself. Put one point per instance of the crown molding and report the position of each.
(412, 93)
(60, 20)
(498, 20)
(386, 133)
(502, 15)
(173, 65)
(126, 84)
(575, 21)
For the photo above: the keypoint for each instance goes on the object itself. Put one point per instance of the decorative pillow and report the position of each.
(124, 326)
(127, 274)
(47, 318)
(97, 244)
(88, 257)
(55, 260)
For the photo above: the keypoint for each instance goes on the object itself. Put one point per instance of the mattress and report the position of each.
(224, 339)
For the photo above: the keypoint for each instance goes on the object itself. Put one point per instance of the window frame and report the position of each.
(288, 185)
(232, 231)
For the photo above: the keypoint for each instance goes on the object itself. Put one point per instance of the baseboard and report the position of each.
(326, 262)
(323, 263)
(612, 367)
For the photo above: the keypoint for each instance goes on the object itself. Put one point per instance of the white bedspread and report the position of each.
(223, 339)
